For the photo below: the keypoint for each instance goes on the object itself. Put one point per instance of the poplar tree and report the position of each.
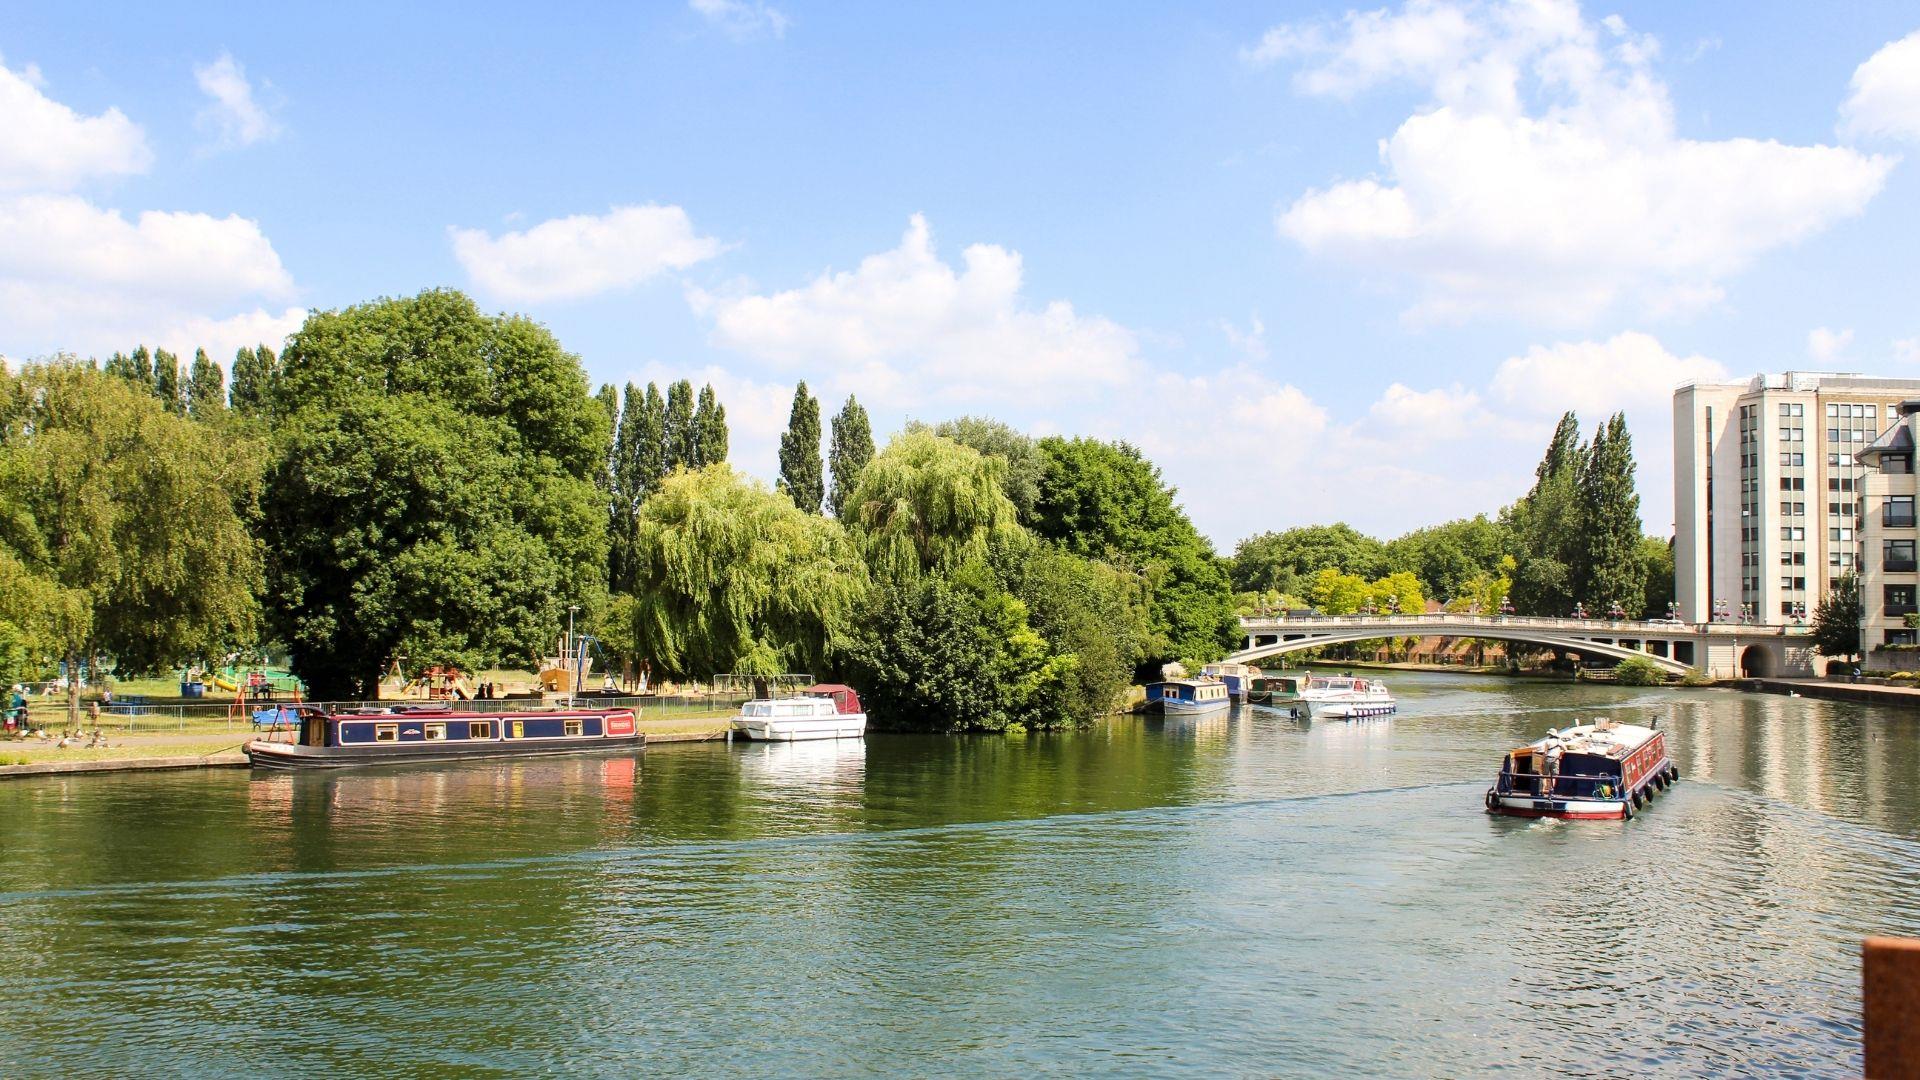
(650, 456)
(206, 388)
(253, 374)
(849, 450)
(1609, 562)
(629, 485)
(166, 381)
(140, 367)
(1546, 524)
(710, 429)
(800, 468)
(119, 365)
(680, 437)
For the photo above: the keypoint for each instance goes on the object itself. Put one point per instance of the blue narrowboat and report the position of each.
(1188, 696)
(324, 740)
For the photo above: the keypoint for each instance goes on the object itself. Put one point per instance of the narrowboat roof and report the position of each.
(1602, 738)
(1189, 682)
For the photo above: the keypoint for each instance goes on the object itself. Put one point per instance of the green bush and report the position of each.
(1696, 678)
(1639, 671)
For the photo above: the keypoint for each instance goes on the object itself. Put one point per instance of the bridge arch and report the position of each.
(1318, 637)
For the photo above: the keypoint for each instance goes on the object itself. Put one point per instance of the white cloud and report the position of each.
(920, 329)
(1630, 370)
(1251, 342)
(742, 18)
(45, 145)
(223, 337)
(231, 112)
(1544, 174)
(1442, 413)
(1827, 346)
(1886, 93)
(573, 257)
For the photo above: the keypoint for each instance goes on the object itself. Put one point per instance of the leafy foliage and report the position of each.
(848, 453)
(432, 492)
(680, 439)
(1609, 569)
(1104, 501)
(800, 468)
(1286, 561)
(1836, 621)
(1448, 557)
(710, 430)
(929, 505)
(1021, 460)
(1639, 671)
(254, 371)
(1088, 611)
(206, 388)
(731, 577)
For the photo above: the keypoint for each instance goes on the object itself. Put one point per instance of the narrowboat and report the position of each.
(1590, 771)
(822, 711)
(428, 733)
(1189, 696)
(1238, 677)
(1276, 689)
(1343, 697)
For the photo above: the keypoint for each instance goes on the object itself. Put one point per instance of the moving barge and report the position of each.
(428, 733)
(1600, 770)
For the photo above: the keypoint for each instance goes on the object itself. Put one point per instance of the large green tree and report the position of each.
(929, 505)
(731, 577)
(1022, 463)
(1448, 556)
(167, 381)
(206, 388)
(1105, 501)
(849, 450)
(1609, 568)
(800, 468)
(253, 374)
(1836, 621)
(123, 528)
(710, 429)
(680, 439)
(1545, 527)
(433, 491)
(1085, 610)
(1286, 561)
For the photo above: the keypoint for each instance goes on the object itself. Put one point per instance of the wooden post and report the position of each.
(1890, 987)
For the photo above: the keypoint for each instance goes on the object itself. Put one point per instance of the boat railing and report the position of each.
(1558, 785)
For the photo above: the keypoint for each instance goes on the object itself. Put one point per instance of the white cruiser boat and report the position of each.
(824, 711)
(1343, 697)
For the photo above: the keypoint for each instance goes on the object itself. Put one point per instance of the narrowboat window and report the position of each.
(573, 727)
(519, 729)
(386, 733)
(436, 732)
(480, 729)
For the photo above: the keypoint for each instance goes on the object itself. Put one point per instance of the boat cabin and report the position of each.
(1598, 761)
(1187, 691)
(444, 725)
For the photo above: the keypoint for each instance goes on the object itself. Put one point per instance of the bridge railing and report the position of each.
(1450, 619)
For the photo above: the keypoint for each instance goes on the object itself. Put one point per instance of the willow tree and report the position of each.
(732, 577)
(123, 529)
(929, 505)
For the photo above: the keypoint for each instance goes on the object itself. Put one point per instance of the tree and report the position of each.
(679, 439)
(731, 577)
(1285, 561)
(800, 467)
(252, 383)
(929, 505)
(956, 653)
(1639, 671)
(166, 382)
(432, 492)
(1656, 561)
(1397, 593)
(1023, 462)
(1446, 557)
(1105, 501)
(652, 459)
(1836, 621)
(1088, 611)
(1608, 567)
(1545, 527)
(710, 429)
(849, 451)
(124, 527)
(206, 388)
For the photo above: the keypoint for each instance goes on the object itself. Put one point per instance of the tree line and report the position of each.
(1572, 542)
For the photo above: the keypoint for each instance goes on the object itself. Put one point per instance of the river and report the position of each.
(1246, 895)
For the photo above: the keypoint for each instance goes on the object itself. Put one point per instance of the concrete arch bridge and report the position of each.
(1722, 650)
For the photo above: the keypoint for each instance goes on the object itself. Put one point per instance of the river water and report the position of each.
(1247, 895)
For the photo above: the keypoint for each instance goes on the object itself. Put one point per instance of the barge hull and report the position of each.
(289, 756)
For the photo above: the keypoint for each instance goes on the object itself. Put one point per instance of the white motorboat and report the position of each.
(1343, 697)
(824, 711)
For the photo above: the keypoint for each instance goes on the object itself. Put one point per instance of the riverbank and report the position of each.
(1904, 697)
(144, 753)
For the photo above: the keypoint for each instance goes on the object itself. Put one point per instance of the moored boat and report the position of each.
(1590, 771)
(1238, 677)
(1278, 689)
(1343, 697)
(429, 733)
(821, 711)
(1189, 696)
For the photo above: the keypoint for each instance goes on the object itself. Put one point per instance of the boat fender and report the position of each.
(1673, 774)
(1605, 791)
(1492, 799)
(1626, 811)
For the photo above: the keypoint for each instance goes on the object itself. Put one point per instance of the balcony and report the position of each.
(1898, 566)
(1896, 519)
(1899, 611)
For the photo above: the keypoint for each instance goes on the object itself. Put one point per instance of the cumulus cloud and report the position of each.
(48, 146)
(742, 18)
(232, 114)
(223, 337)
(1631, 370)
(920, 327)
(1827, 346)
(1251, 342)
(1544, 174)
(1441, 413)
(574, 257)
(1885, 97)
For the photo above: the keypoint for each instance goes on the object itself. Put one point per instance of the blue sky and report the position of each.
(1321, 262)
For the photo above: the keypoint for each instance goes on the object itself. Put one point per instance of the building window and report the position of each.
(1898, 464)
(1833, 410)
(1899, 512)
(1903, 637)
(1897, 555)
(1898, 600)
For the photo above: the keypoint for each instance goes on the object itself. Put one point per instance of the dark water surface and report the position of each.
(1244, 896)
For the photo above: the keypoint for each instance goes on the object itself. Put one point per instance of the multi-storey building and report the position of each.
(1767, 489)
(1889, 586)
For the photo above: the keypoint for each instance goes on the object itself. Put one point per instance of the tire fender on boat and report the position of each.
(1492, 799)
(1626, 810)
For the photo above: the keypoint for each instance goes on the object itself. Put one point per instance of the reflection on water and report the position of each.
(1238, 893)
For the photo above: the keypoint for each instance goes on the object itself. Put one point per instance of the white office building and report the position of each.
(1767, 489)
